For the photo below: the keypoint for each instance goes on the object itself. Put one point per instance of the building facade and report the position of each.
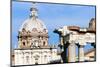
(33, 47)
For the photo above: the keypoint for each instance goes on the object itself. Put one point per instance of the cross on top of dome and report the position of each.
(33, 11)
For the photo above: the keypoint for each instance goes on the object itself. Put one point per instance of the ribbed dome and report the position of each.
(31, 23)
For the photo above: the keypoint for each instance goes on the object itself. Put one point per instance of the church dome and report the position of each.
(33, 22)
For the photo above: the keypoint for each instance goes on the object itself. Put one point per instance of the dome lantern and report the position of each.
(33, 11)
(33, 22)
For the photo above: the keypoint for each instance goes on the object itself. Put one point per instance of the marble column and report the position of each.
(71, 52)
(81, 53)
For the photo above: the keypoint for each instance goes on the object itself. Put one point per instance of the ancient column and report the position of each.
(72, 52)
(81, 53)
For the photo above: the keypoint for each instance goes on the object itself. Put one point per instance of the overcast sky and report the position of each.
(53, 16)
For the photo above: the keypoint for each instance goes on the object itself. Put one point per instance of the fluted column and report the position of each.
(81, 53)
(72, 52)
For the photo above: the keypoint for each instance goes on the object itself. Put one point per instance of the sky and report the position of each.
(53, 15)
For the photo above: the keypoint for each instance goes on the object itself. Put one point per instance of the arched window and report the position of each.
(34, 29)
(23, 43)
(36, 63)
(36, 58)
(23, 30)
(33, 45)
(44, 30)
(45, 56)
(43, 43)
(36, 43)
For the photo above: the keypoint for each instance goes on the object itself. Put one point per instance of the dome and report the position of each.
(33, 22)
